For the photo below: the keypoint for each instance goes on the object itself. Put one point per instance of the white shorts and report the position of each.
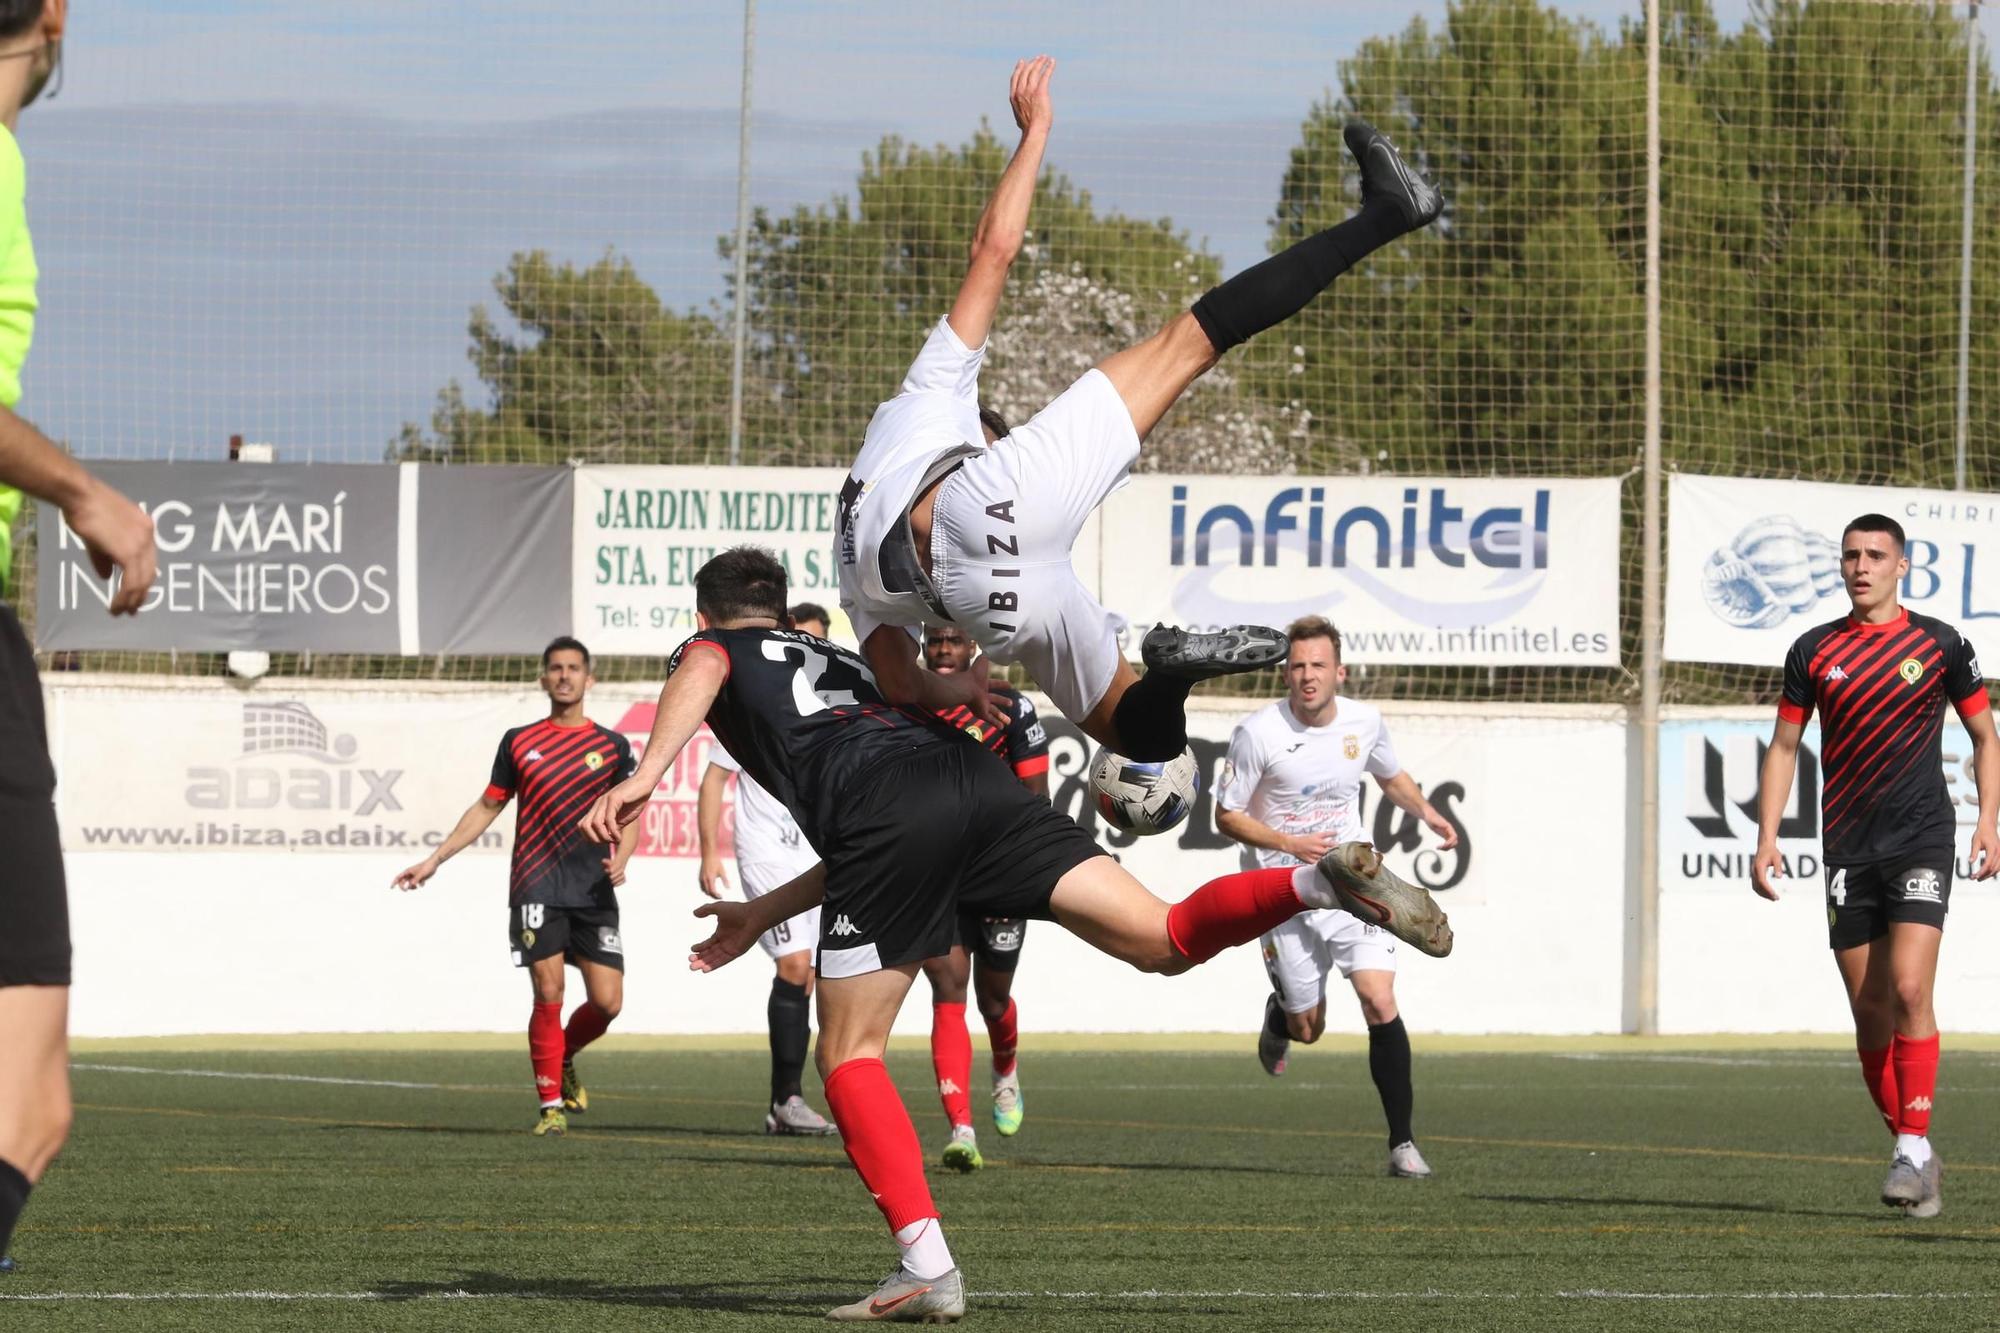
(1001, 534)
(1300, 953)
(800, 933)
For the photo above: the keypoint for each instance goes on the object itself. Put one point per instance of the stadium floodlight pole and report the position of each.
(742, 234)
(1965, 247)
(1644, 985)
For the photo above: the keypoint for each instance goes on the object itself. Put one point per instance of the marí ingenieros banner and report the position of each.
(1754, 564)
(351, 558)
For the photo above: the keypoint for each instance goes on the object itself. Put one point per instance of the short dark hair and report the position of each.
(742, 581)
(17, 16)
(805, 611)
(994, 422)
(562, 642)
(1314, 627)
(1875, 523)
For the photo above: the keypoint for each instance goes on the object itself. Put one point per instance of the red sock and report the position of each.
(586, 1024)
(1004, 1034)
(1232, 910)
(1916, 1064)
(545, 1050)
(880, 1141)
(1880, 1076)
(951, 1056)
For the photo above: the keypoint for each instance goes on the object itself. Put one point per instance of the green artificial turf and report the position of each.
(1592, 1185)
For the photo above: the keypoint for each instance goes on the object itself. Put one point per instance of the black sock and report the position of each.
(14, 1189)
(1389, 1063)
(1151, 718)
(1275, 1022)
(1274, 290)
(790, 1035)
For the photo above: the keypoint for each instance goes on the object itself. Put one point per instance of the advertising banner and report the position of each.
(1708, 803)
(350, 558)
(640, 533)
(1490, 572)
(1754, 564)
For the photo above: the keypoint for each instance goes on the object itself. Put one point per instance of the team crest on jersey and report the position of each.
(1912, 670)
(1350, 745)
(974, 730)
(593, 761)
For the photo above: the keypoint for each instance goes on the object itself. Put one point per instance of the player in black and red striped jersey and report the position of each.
(989, 947)
(1881, 677)
(562, 902)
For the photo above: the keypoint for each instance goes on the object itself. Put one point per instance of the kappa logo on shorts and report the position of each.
(842, 926)
(607, 940)
(1923, 887)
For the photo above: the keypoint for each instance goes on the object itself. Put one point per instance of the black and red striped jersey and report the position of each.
(1881, 692)
(804, 718)
(1023, 742)
(558, 772)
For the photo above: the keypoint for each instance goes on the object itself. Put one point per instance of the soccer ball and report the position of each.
(1145, 798)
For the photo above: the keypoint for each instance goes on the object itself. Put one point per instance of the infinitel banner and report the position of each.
(1483, 572)
(1755, 564)
(347, 558)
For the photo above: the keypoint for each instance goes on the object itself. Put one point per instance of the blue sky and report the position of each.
(255, 218)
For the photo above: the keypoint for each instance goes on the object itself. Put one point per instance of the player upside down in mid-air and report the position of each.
(562, 898)
(915, 823)
(934, 527)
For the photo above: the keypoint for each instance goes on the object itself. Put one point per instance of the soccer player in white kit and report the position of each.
(934, 526)
(1290, 791)
(771, 852)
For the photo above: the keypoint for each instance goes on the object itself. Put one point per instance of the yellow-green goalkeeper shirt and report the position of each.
(17, 315)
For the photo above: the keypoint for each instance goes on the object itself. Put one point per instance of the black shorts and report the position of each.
(1861, 900)
(993, 941)
(580, 934)
(34, 904)
(945, 830)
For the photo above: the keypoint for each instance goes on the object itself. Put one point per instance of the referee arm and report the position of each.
(115, 532)
(1774, 788)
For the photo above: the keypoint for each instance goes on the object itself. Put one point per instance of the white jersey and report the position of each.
(1300, 779)
(766, 833)
(934, 413)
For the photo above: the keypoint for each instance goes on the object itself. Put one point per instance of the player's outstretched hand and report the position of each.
(118, 535)
(1447, 833)
(1029, 93)
(1765, 867)
(1985, 852)
(734, 934)
(615, 809)
(416, 876)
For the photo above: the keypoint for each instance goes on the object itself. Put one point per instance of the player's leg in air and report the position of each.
(995, 946)
(1889, 980)
(1000, 528)
(950, 976)
(604, 992)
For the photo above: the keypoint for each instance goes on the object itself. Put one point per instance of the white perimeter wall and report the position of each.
(296, 941)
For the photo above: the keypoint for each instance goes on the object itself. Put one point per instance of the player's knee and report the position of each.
(1377, 1010)
(1912, 997)
(612, 1005)
(46, 1132)
(993, 1008)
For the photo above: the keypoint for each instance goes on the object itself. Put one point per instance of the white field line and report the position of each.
(282, 1078)
(667, 1295)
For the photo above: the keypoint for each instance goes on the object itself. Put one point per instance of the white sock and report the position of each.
(925, 1254)
(556, 1103)
(1916, 1147)
(1312, 889)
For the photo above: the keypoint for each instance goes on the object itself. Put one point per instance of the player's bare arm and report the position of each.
(903, 680)
(1985, 852)
(738, 924)
(708, 829)
(478, 817)
(1774, 788)
(1003, 224)
(115, 532)
(1307, 847)
(1402, 790)
(684, 701)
